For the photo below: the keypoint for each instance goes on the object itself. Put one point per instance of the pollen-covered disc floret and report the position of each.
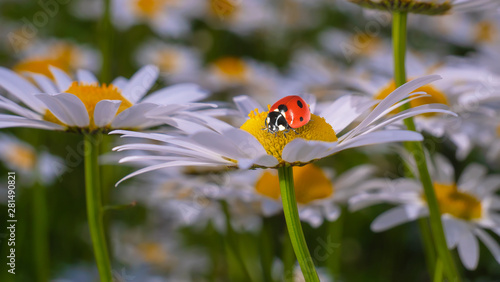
(457, 203)
(90, 95)
(408, 6)
(317, 129)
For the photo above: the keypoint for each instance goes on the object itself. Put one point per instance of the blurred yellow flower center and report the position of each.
(149, 8)
(365, 43)
(21, 157)
(436, 96)
(310, 183)
(169, 60)
(41, 66)
(456, 203)
(153, 253)
(485, 32)
(90, 95)
(317, 129)
(223, 8)
(232, 68)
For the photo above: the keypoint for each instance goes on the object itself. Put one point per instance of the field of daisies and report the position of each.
(250, 140)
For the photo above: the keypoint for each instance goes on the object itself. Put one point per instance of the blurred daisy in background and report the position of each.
(214, 143)
(242, 74)
(166, 18)
(33, 166)
(242, 17)
(84, 105)
(429, 7)
(469, 206)
(319, 192)
(177, 63)
(458, 90)
(150, 254)
(62, 54)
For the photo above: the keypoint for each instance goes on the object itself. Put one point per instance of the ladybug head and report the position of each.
(275, 122)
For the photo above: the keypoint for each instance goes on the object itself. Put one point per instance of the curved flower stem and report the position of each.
(94, 207)
(105, 29)
(41, 232)
(417, 150)
(293, 223)
(438, 271)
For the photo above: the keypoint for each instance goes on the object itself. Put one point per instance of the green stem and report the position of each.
(438, 271)
(417, 150)
(40, 233)
(105, 30)
(293, 223)
(430, 253)
(94, 208)
(288, 258)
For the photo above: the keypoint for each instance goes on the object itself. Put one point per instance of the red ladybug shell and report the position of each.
(295, 110)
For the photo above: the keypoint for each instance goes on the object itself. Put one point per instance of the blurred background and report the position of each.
(266, 49)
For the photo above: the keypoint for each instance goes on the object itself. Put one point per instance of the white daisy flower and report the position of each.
(468, 206)
(215, 143)
(428, 7)
(21, 157)
(317, 190)
(458, 89)
(167, 18)
(177, 63)
(84, 105)
(241, 17)
(65, 55)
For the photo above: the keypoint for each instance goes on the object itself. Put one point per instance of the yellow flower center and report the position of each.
(21, 157)
(365, 43)
(169, 60)
(223, 8)
(317, 129)
(310, 183)
(149, 8)
(153, 253)
(234, 69)
(436, 96)
(41, 66)
(485, 32)
(459, 204)
(90, 95)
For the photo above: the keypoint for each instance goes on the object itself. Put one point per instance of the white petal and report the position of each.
(378, 137)
(468, 249)
(140, 83)
(445, 169)
(86, 77)
(332, 211)
(471, 177)
(177, 94)
(164, 165)
(120, 82)
(7, 121)
(345, 110)
(133, 117)
(311, 215)
(353, 176)
(217, 143)
(453, 229)
(246, 104)
(21, 89)
(68, 108)
(63, 81)
(270, 207)
(301, 150)
(105, 112)
(400, 93)
(245, 142)
(490, 243)
(45, 83)
(17, 109)
(396, 216)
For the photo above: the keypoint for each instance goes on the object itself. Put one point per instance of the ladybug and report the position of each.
(287, 114)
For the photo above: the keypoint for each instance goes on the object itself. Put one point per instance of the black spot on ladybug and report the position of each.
(299, 103)
(282, 108)
(301, 119)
